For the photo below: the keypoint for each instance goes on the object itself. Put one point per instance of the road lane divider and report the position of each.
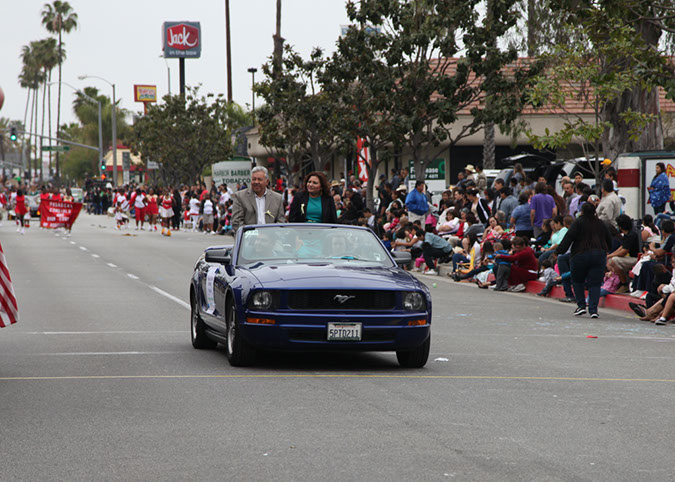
(95, 256)
(112, 265)
(170, 296)
(132, 276)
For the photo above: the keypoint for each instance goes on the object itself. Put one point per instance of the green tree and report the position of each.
(59, 18)
(184, 135)
(442, 60)
(299, 119)
(604, 73)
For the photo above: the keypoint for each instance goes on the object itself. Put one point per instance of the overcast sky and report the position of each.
(120, 40)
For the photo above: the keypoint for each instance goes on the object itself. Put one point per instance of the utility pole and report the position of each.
(278, 45)
(228, 50)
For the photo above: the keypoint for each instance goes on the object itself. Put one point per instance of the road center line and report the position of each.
(112, 265)
(95, 256)
(170, 296)
(355, 376)
(72, 242)
(83, 248)
(132, 276)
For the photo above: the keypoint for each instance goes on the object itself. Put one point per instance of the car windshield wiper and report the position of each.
(353, 258)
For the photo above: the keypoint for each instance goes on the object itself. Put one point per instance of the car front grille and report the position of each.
(341, 300)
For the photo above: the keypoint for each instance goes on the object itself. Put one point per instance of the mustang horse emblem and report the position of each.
(342, 298)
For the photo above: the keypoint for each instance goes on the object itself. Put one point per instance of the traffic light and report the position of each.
(103, 165)
(12, 134)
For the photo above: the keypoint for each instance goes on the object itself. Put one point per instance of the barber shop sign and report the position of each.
(182, 40)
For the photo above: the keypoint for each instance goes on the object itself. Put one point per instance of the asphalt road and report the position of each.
(98, 381)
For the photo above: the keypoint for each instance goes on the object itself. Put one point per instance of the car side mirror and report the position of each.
(401, 257)
(222, 256)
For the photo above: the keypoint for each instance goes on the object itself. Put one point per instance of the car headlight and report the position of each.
(413, 301)
(261, 300)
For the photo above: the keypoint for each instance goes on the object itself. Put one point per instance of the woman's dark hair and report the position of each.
(19, 192)
(523, 198)
(473, 239)
(662, 166)
(540, 188)
(325, 187)
(488, 248)
(470, 218)
(518, 241)
(558, 219)
(648, 221)
(490, 194)
(594, 228)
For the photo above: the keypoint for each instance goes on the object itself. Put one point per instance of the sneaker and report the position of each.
(541, 293)
(580, 311)
(136, 228)
(567, 299)
(416, 270)
(23, 231)
(637, 309)
(431, 272)
(661, 321)
(519, 288)
(594, 315)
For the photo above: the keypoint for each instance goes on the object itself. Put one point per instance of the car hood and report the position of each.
(329, 276)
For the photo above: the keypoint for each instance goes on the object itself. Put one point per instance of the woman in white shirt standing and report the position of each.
(194, 211)
(207, 213)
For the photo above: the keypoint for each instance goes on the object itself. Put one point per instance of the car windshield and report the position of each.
(286, 244)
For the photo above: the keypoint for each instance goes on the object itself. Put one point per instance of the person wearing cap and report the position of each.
(609, 207)
(417, 204)
(469, 172)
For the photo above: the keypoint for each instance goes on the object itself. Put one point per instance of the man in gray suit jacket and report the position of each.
(257, 204)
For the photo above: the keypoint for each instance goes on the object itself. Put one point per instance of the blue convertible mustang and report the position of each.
(310, 287)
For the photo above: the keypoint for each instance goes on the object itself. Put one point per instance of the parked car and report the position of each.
(308, 287)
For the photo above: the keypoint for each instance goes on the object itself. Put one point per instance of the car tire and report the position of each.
(198, 335)
(239, 352)
(415, 358)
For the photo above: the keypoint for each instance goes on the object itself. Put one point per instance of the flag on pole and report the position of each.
(8, 310)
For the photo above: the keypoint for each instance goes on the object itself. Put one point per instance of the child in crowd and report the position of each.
(386, 240)
(551, 278)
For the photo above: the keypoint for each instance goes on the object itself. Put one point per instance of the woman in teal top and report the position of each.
(313, 204)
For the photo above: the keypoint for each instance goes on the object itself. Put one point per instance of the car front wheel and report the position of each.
(415, 358)
(239, 352)
(198, 329)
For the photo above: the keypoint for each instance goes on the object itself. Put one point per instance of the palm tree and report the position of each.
(59, 18)
(31, 77)
(46, 58)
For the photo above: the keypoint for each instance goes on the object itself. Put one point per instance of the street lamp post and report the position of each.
(114, 124)
(253, 70)
(100, 124)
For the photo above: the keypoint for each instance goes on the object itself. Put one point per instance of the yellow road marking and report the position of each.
(428, 377)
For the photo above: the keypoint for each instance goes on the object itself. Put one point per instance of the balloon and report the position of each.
(2, 98)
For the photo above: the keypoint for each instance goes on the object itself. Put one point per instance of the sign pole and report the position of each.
(181, 65)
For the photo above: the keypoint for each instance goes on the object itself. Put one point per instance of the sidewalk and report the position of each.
(616, 302)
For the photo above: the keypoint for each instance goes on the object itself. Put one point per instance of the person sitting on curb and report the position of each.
(622, 260)
(523, 267)
(433, 247)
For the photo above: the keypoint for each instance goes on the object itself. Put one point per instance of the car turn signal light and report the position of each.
(421, 322)
(261, 321)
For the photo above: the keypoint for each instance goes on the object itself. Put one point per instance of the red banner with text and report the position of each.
(58, 214)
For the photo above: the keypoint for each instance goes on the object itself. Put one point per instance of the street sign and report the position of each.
(152, 166)
(181, 40)
(55, 148)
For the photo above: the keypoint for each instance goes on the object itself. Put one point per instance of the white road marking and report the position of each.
(115, 332)
(170, 296)
(83, 248)
(112, 265)
(72, 242)
(97, 353)
(132, 276)
(95, 256)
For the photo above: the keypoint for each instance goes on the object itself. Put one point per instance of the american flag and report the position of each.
(8, 310)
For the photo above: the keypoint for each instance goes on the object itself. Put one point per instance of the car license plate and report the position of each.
(344, 331)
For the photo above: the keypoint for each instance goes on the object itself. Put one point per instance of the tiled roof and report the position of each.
(573, 106)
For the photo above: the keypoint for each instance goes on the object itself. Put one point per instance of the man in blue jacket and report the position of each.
(417, 205)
